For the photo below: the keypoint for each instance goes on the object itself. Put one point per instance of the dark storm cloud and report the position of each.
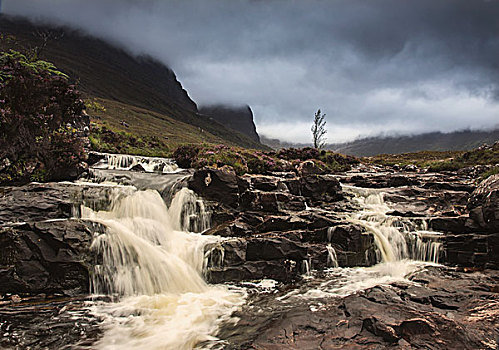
(391, 66)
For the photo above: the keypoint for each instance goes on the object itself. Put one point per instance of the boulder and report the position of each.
(483, 204)
(220, 185)
(275, 249)
(256, 258)
(318, 188)
(46, 257)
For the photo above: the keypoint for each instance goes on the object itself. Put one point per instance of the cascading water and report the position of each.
(396, 239)
(127, 162)
(332, 258)
(404, 246)
(155, 272)
(188, 213)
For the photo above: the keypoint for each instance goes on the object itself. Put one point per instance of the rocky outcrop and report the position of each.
(38, 202)
(236, 118)
(43, 249)
(219, 185)
(256, 258)
(278, 237)
(483, 204)
(46, 257)
(445, 309)
(274, 234)
(474, 239)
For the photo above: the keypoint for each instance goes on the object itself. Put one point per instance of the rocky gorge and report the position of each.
(374, 257)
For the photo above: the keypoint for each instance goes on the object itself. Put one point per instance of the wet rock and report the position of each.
(279, 270)
(272, 249)
(449, 186)
(378, 328)
(381, 317)
(35, 202)
(467, 249)
(382, 181)
(46, 257)
(458, 225)
(249, 259)
(282, 223)
(484, 204)
(95, 157)
(138, 167)
(263, 182)
(235, 228)
(318, 188)
(476, 243)
(38, 202)
(272, 202)
(352, 238)
(220, 185)
(318, 221)
(50, 323)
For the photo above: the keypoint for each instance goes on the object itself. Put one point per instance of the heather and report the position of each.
(259, 162)
(40, 121)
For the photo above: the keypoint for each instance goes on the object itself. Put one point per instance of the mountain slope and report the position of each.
(106, 72)
(436, 141)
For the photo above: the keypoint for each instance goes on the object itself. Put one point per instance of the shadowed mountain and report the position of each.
(236, 118)
(109, 73)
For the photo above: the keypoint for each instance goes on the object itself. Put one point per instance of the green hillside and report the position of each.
(138, 90)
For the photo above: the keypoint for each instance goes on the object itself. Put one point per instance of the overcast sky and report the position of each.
(373, 66)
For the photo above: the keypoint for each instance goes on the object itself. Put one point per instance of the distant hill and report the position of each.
(236, 118)
(278, 144)
(435, 141)
(114, 77)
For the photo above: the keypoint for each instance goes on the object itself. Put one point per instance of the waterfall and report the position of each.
(396, 239)
(127, 162)
(189, 213)
(154, 271)
(332, 258)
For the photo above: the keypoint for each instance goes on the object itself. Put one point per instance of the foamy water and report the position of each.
(152, 267)
(155, 272)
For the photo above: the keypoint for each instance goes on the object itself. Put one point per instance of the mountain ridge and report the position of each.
(236, 118)
(107, 72)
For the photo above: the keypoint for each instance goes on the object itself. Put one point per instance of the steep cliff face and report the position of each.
(102, 70)
(123, 83)
(236, 118)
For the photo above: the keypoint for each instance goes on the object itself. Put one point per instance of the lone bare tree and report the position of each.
(319, 130)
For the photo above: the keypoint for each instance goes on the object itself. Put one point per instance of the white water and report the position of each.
(404, 247)
(155, 271)
(153, 267)
(396, 239)
(127, 162)
(188, 213)
(332, 258)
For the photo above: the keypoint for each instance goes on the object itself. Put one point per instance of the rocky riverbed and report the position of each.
(326, 261)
